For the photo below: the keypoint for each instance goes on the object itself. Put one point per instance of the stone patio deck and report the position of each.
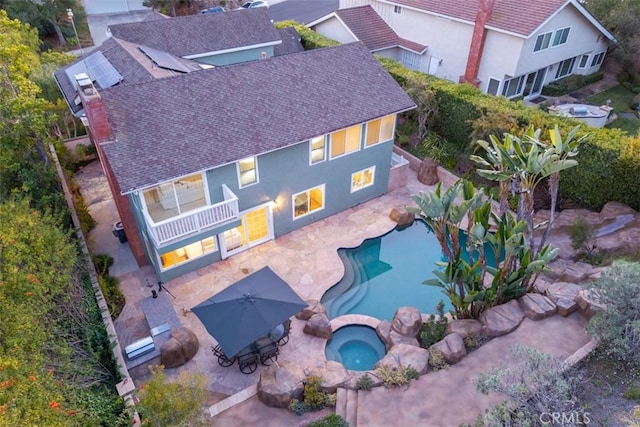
(307, 259)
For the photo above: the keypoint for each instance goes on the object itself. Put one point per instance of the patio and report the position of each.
(307, 260)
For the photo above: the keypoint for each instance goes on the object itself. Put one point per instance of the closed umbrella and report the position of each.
(248, 310)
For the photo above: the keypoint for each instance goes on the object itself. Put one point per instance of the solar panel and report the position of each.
(101, 70)
(164, 59)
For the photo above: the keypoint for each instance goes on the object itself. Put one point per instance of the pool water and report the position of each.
(357, 347)
(388, 272)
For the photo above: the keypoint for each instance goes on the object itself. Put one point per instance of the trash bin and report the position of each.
(118, 231)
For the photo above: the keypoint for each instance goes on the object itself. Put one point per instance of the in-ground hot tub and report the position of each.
(357, 347)
(590, 114)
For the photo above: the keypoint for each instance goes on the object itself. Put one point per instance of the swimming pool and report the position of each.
(357, 347)
(388, 272)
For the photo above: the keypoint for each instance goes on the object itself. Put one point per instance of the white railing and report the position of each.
(196, 220)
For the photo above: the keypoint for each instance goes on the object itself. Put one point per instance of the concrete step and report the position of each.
(351, 415)
(341, 402)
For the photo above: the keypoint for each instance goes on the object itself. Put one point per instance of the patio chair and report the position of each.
(223, 360)
(248, 362)
(268, 351)
(285, 337)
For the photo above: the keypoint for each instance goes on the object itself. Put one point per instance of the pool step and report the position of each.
(341, 402)
(351, 413)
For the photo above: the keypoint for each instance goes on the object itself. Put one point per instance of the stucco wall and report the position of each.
(334, 29)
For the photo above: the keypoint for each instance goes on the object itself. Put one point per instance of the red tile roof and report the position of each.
(517, 16)
(372, 30)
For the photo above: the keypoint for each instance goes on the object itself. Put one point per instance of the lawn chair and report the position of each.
(248, 361)
(285, 337)
(268, 351)
(223, 360)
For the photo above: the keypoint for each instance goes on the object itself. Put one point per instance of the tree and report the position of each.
(162, 5)
(427, 105)
(45, 15)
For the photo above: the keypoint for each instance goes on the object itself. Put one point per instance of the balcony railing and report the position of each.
(194, 221)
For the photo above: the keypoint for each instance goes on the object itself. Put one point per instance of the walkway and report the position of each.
(308, 261)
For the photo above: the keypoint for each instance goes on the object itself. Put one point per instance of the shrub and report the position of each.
(436, 360)
(178, 402)
(618, 324)
(112, 294)
(434, 329)
(365, 382)
(539, 383)
(582, 235)
(102, 262)
(632, 393)
(331, 420)
(313, 397)
(395, 377)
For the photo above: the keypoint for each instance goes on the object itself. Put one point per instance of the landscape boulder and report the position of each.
(383, 330)
(314, 307)
(180, 348)
(536, 306)
(405, 355)
(428, 172)
(318, 325)
(280, 383)
(565, 290)
(452, 348)
(398, 338)
(333, 375)
(465, 328)
(502, 319)
(407, 321)
(402, 218)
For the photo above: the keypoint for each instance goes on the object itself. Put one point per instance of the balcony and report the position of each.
(194, 221)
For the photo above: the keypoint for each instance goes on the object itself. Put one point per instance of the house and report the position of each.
(160, 47)
(205, 164)
(504, 47)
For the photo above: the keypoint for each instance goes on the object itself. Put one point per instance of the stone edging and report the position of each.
(126, 386)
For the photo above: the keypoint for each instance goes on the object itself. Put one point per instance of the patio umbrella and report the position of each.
(248, 310)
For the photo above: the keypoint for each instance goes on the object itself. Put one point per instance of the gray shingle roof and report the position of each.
(175, 126)
(290, 42)
(196, 34)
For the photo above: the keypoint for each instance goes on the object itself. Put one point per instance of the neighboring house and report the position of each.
(205, 164)
(162, 47)
(364, 24)
(505, 47)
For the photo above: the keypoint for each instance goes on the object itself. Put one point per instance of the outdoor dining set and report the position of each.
(250, 319)
(265, 350)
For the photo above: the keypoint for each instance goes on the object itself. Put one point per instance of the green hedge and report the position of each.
(608, 165)
(570, 83)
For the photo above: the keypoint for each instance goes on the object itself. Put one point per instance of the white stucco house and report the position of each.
(504, 47)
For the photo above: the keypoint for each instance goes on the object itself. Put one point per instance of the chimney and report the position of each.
(485, 9)
(92, 103)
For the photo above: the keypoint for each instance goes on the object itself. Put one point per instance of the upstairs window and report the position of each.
(174, 198)
(560, 36)
(345, 141)
(397, 9)
(318, 150)
(542, 42)
(380, 130)
(247, 171)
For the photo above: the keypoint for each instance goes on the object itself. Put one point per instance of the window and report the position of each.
(362, 179)
(397, 9)
(308, 201)
(345, 141)
(513, 87)
(560, 36)
(542, 42)
(248, 171)
(188, 253)
(565, 68)
(493, 86)
(584, 60)
(174, 198)
(379, 130)
(317, 147)
(597, 59)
